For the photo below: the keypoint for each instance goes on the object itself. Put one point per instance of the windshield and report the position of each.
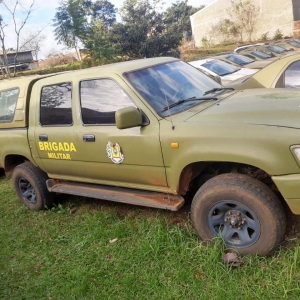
(261, 55)
(220, 67)
(276, 49)
(168, 83)
(240, 59)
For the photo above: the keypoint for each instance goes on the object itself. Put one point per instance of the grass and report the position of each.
(88, 249)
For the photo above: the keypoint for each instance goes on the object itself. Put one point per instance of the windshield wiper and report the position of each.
(187, 100)
(218, 90)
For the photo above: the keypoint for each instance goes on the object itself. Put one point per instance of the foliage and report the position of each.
(98, 46)
(91, 249)
(265, 36)
(278, 35)
(33, 40)
(75, 21)
(143, 32)
(70, 23)
(103, 10)
(244, 14)
(205, 42)
(229, 29)
(177, 18)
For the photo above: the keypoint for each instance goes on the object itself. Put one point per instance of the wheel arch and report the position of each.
(13, 160)
(197, 173)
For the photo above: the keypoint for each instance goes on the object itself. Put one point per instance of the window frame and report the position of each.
(13, 116)
(40, 102)
(283, 75)
(104, 78)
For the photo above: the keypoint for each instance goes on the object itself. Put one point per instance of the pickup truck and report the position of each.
(148, 131)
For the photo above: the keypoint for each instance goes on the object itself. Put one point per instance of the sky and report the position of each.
(42, 17)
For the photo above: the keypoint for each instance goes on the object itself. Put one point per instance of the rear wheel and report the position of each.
(30, 185)
(243, 210)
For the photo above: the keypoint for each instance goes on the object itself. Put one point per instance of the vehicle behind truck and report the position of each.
(147, 132)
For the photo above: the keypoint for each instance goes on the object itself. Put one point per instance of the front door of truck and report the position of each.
(74, 136)
(130, 157)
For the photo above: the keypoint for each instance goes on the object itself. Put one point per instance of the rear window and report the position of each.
(56, 104)
(8, 102)
(261, 54)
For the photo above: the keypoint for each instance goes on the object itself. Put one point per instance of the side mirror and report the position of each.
(128, 117)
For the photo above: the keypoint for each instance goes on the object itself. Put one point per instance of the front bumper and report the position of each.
(289, 187)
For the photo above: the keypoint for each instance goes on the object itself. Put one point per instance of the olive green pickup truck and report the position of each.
(148, 131)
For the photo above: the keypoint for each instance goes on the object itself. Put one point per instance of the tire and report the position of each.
(244, 211)
(30, 185)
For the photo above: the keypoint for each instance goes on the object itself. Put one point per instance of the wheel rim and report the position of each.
(27, 190)
(235, 222)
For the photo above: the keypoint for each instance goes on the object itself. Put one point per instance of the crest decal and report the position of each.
(114, 152)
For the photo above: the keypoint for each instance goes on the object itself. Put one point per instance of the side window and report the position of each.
(56, 104)
(100, 98)
(8, 102)
(292, 75)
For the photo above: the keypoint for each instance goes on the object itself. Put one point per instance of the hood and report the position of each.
(271, 107)
(236, 75)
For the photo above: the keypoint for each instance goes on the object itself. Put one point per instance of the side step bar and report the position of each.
(123, 195)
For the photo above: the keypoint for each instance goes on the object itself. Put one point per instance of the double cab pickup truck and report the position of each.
(147, 132)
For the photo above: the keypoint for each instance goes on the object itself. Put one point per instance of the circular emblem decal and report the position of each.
(114, 152)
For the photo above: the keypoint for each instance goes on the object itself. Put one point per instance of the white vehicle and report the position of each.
(227, 72)
(246, 46)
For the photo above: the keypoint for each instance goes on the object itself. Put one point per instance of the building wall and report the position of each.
(273, 15)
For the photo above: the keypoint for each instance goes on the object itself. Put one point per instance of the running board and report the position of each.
(123, 195)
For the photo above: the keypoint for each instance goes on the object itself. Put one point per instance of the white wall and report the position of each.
(273, 15)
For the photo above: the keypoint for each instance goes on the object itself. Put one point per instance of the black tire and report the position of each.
(30, 185)
(247, 214)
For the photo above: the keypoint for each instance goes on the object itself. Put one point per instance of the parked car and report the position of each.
(282, 73)
(239, 60)
(289, 44)
(273, 50)
(226, 71)
(246, 46)
(256, 54)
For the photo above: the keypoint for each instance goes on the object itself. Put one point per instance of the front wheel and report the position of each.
(30, 185)
(243, 210)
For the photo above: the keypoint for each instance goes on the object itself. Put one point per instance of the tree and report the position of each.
(244, 15)
(177, 17)
(228, 29)
(33, 40)
(143, 32)
(98, 45)
(4, 61)
(103, 10)
(71, 23)
(13, 9)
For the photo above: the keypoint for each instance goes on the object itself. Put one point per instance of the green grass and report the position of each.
(69, 252)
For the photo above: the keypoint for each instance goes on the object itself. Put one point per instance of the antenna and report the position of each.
(173, 126)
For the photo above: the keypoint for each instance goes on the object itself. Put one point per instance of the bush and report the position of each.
(265, 36)
(278, 35)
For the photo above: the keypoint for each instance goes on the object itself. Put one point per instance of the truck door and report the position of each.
(130, 157)
(72, 133)
(52, 131)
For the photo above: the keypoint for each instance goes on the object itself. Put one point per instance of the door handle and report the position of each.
(43, 137)
(89, 138)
